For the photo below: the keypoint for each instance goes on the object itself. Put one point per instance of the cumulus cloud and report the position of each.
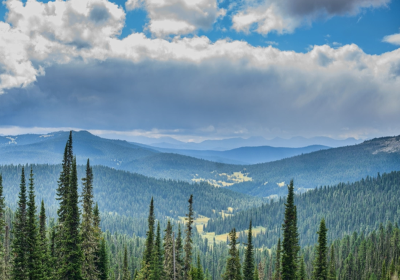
(63, 63)
(392, 39)
(284, 16)
(178, 16)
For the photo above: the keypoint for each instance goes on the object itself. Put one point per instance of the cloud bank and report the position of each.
(63, 65)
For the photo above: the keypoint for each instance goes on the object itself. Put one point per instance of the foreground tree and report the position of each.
(90, 242)
(290, 243)
(188, 240)
(19, 242)
(248, 265)
(168, 264)
(332, 268)
(233, 267)
(320, 263)
(44, 256)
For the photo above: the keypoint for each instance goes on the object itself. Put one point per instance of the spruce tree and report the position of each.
(179, 262)
(19, 243)
(332, 267)
(102, 263)
(290, 243)
(32, 235)
(71, 266)
(320, 263)
(44, 256)
(188, 239)
(2, 231)
(168, 264)
(199, 268)
(248, 265)
(148, 252)
(302, 272)
(126, 275)
(256, 273)
(156, 267)
(90, 244)
(277, 274)
(233, 267)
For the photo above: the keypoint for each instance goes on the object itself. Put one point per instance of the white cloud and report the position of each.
(283, 16)
(392, 39)
(178, 16)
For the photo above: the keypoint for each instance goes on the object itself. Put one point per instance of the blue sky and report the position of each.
(201, 69)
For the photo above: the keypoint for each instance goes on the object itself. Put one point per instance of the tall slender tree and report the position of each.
(44, 256)
(290, 243)
(90, 244)
(320, 263)
(168, 264)
(126, 275)
(156, 267)
(102, 262)
(277, 274)
(179, 262)
(233, 267)
(248, 265)
(32, 234)
(302, 271)
(188, 239)
(19, 243)
(71, 266)
(147, 255)
(332, 267)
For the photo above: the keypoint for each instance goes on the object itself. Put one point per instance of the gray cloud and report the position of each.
(201, 100)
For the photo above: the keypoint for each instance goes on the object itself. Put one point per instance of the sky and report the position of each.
(201, 69)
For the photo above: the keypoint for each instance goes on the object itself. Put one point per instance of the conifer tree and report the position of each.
(168, 264)
(179, 262)
(290, 244)
(256, 273)
(44, 255)
(156, 267)
(248, 265)
(53, 254)
(199, 268)
(320, 263)
(90, 244)
(261, 271)
(233, 267)
(102, 263)
(126, 275)
(383, 272)
(148, 253)
(19, 243)
(302, 272)
(71, 266)
(332, 267)
(188, 240)
(2, 231)
(32, 249)
(277, 274)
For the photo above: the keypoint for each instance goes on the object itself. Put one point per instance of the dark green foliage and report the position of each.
(233, 266)
(102, 263)
(248, 265)
(332, 267)
(179, 262)
(290, 243)
(359, 206)
(126, 275)
(302, 270)
(34, 268)
(321, 257)
(168, 264)
(20, 243)
(44, 256)
(278, 274)
(188, 240)
(148, 253)
(156, 266)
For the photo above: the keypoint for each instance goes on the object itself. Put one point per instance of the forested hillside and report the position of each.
(359, 206)
(129, 194)
(324, 167)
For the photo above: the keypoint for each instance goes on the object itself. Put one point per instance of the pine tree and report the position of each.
(256, 273)
(156, 267)
(233, 267)
(383, 272)
(168, 265)
(2, 231)
(32, 249)
(277, 275)
(90, 244)
(19, 243)
(290, 244)
(179, 262)
(44, 255)
(261, 271)
(126, 275)
(200, 272)
(53, 253)
(332, 267)
(302, 272)
(248, 265)
(102, 263)
(320, 264)
(188, 240)
(71, 266)
(147, 255)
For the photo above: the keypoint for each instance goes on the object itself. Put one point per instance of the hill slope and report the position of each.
(129, 194)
